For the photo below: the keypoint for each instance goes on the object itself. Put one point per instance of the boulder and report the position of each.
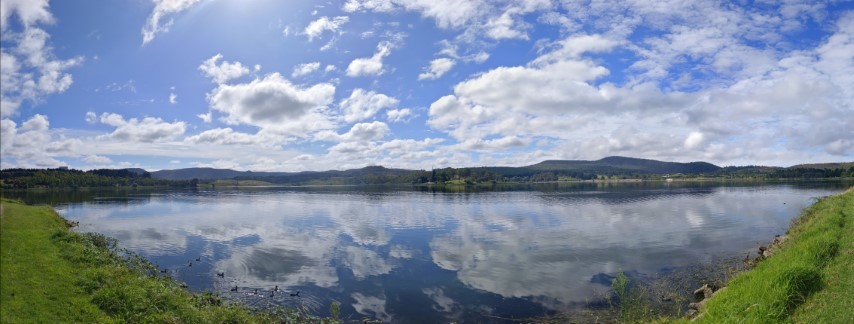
(703, 292)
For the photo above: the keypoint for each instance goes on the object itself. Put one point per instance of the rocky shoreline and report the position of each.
(705, 293)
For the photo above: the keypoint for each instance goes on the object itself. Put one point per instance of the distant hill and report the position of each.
(207, 174)
(839, 165)
(626, 165)
(275, 177)
(580, 169)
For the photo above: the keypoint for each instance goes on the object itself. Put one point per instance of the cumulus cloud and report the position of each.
(97, 159)
(494, 19)
(29, 12)
(361, 133)
(275, 103)
(147, 130)
(161, 19)
(799, 97)
(364, 104)
(33, 144)
(693, 140)
(446, 13)
(226, 136)
(305, 68)
(437, 68)
(29, 70)
(206, 117)
(504, 26)
(222, 72)
(370, 65)
(323, 24)
(399, 115)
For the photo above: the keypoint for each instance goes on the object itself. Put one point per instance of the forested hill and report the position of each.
(614, 167)
(626, 165)
(209, 174)
(609, 166)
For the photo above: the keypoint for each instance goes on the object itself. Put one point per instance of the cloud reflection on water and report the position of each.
(545, 247)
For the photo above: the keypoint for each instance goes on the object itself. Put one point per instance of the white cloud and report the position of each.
(504, 27)
(97, 159)
(359, 134)
(225, 136)
(275, 103)
(329, 68)
(368, 5)
(693, 140)
(305, 68)
(365, 104)
(33, 145)
(367, 132)
(399, 115)
(30, 12)
(161, 19)
(206, 117)
(28, 68)
(370, 65)
(793, 104)
(173, 98)
(224, 71)
(146, 130)
(437, 68)
(91, 117)
(322, 24)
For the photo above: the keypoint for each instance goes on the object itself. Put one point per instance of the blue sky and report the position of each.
(269, 85)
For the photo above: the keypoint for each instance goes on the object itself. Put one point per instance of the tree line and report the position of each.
(72, 178)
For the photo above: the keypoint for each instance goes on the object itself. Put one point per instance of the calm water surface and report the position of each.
(417, 255)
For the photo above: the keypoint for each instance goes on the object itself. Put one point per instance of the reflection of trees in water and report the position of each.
(62, 196)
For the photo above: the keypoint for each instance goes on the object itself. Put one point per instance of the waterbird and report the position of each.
(164, 271)
(296, 294)
(190, 264)
(234, 289)
(220, 274)
(277, 288)
(272, 293)
(256, 291)
(199, 259)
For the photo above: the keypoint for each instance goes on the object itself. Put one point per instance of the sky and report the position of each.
(268, 85)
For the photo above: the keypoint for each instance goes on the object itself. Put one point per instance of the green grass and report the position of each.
(49, 274)
(809, 280)
(36, 283)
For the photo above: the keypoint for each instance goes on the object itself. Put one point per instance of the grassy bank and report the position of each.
(810, 279)
(49, 274)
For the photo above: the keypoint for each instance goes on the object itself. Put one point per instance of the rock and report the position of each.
(698, 305)
(703, 292)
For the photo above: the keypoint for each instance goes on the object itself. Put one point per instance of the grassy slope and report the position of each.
(834, 303)
(37, 285)
(809, 280)
(52, 275)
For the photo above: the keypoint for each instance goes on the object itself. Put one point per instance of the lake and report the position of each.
(402, 254)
